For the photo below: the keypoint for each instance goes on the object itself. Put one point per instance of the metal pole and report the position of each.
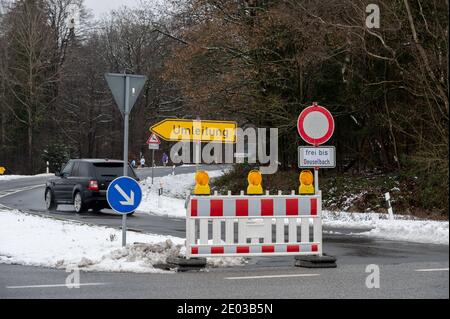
(316, 180)
(153, 163)
(316, 173)
(198, 155)
(125, 152)
(198, 148)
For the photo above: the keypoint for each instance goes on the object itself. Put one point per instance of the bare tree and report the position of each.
(25, 69)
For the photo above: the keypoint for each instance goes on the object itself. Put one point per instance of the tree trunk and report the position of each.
(30, 149)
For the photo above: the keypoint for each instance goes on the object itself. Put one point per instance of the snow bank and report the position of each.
(11, 177)
(431, 232)
(175, 188)
(38, 241)
(354, 220)
(403, 228)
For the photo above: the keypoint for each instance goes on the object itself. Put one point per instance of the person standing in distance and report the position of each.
(165, 159)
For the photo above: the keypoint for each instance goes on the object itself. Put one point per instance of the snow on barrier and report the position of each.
(212, 223)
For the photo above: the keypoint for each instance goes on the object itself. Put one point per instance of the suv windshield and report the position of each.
(111, 170)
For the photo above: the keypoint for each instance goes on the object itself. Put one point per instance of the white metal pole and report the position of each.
(390, 209)
(160, 190)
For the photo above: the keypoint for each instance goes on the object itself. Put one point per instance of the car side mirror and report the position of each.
(61, 174)
(58, 174)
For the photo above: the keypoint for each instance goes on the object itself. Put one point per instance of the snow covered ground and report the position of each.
(11, 177)
(175, 190)
(403, 228)
(40, 241)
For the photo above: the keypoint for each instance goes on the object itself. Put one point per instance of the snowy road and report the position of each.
(398, 261)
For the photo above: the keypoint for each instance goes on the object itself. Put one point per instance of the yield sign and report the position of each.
(120, 89)
(153, 140)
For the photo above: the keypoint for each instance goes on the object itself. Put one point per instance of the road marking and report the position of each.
(55, 286)
(272, 276)
(5, 207)
(18, 190)
(435, 269)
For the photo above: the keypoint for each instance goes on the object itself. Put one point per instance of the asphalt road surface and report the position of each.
(407, 270)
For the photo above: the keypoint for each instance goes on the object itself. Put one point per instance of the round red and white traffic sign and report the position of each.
(315, 125)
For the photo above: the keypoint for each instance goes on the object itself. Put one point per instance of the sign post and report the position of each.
(125, 89)
(125, 151)
(153, 164)
(153, 144)
(198, 143)
(316, 126)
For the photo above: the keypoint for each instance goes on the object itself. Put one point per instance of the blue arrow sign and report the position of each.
(124, 195)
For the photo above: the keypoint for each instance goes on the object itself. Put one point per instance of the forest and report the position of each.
(257, 62)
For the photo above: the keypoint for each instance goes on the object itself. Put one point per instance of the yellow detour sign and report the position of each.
(176, 130)
(2, 170)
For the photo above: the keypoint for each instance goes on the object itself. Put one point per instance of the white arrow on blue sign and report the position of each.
(124, 195)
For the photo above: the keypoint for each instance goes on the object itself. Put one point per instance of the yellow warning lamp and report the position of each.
(202, 183)
(254, 183)
(306, 183)
(2, 170)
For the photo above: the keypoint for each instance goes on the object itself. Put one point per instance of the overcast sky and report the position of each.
(104, 6)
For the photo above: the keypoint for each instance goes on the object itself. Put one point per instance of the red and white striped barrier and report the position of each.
(251, 206)
(212, 223)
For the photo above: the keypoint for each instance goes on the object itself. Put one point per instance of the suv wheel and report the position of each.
(78, 204)
(49, 200)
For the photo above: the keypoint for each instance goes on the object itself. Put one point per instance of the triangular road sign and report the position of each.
(153, 139)
(117, 83)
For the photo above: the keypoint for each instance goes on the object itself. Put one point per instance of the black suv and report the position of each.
(83, 183)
